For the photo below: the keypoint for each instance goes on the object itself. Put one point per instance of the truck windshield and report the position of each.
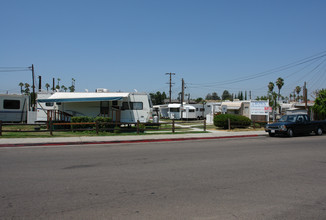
(287, 118)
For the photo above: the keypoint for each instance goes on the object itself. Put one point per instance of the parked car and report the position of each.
(298, 124)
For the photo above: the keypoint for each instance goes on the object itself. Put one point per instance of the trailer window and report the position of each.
(49, 104)
(11, 104)
(191, 110)
(133, 106)
(174, 109)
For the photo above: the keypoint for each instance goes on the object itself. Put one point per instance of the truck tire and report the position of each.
(271, 134)
(319, 131)
(290, 132)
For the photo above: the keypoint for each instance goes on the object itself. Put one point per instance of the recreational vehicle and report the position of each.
(121, 107)
(189, 112)
(178, 111)
(44, 107)
(13, 108)
(174, 111)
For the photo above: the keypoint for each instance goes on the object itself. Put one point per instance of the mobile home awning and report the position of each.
(232, 105)
(84, 97)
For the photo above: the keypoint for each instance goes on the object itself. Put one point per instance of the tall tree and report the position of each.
(226, 95)
(58, 85)
(279, 84)
(27, 90)
(21, 87)
(270, 87)
(47, 86)
(298, 90)
(320, 105)
(208, 96)
(215, 96)
(199, 100)
(72, 87)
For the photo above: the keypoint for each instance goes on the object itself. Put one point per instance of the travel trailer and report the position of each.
(120, 106)
(44, 107)
(13, 108)
(189, 112)
(175, 111)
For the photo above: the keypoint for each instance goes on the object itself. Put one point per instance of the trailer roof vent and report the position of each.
(101, 90)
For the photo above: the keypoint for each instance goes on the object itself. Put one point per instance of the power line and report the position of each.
(258, 75)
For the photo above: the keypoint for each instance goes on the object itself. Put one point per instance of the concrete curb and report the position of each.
(125, 141)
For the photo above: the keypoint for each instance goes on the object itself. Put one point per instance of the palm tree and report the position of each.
(47, 86)
(279, 83)
(21, 87)
(27, 88)
(64, 88)
(270, 87)
(298, 90)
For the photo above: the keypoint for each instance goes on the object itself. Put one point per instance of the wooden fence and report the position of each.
(116, 127)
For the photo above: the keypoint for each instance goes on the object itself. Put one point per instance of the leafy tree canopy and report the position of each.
(320, 104)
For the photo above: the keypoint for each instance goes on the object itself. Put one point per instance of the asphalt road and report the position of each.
(248, 178)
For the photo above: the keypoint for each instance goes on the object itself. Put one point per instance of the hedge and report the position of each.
(237, 121)
(81, 119)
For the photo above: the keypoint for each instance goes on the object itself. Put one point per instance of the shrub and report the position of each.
(81, 119)
(105, 123)
(237, 121)
(117, 130)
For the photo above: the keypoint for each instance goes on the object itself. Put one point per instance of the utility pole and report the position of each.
(305, 94)
(53, 83)
(39, 83)
(182, 92)
(170, 91)
(33, 86)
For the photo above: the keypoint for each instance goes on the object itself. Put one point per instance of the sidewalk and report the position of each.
(19, 142)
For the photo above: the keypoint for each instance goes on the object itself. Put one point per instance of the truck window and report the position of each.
(300, 118)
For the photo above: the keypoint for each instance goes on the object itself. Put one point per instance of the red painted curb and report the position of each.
(124, 142)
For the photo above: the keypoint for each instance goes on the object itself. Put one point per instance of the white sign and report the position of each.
(224, 109)
(259, 108)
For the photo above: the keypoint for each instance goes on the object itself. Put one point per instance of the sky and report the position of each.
(128, 45)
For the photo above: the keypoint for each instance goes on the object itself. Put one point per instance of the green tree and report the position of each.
(208, 96)
(58, 85)
(199, 100)
(21, 87)
(270, 87)
(298, 90)
(47, 86)
(279, 84)
(262, 98)
(320, 105)
(226, 95)
(72, 87)
(64, 88)
(215, 96)
(27, 90)
(158, 98)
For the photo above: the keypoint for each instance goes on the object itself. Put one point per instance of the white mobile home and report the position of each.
(121, 107)
(13, 108)
(189, 112)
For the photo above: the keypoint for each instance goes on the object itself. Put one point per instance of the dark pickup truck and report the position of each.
(292, 125)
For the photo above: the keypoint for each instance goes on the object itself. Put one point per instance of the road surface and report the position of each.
(239, 178)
